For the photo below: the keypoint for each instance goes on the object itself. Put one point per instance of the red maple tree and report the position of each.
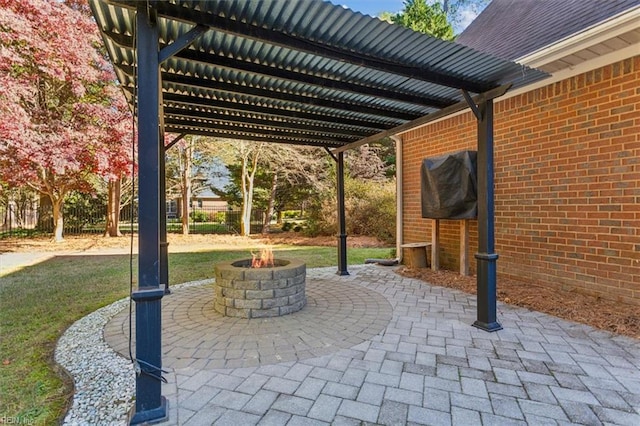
(62, 117)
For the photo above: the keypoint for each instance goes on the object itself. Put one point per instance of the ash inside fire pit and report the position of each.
(246, 292)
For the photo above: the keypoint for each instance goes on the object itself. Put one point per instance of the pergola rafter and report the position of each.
(282, 122)
(172, 80)
(241, 65)
(323, 116)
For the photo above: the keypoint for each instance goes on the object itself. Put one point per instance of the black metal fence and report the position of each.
(31, 218)
(211, 220)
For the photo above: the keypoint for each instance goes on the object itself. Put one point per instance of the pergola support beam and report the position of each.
(174, 141)
(486, 256)
(331, 154)
(472, 105)
(342, 219)
(150, 405)
(182, 42)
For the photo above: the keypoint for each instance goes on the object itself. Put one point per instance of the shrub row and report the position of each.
(370, 209)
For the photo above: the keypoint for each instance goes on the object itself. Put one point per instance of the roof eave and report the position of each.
(605, 30)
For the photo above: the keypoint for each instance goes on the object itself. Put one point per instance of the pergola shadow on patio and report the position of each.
(298, 72)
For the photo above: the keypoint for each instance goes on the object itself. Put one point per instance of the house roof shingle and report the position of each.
(510, 29)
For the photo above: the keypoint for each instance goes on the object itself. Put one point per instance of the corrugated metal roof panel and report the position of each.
(300, 59)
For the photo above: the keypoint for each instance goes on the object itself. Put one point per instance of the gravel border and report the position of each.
(104, 381)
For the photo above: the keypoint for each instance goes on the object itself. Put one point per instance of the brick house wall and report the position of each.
(567, 183)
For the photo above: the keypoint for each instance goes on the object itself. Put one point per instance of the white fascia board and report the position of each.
(605, 30)
(586, 66)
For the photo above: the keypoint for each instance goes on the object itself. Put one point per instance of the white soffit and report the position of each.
(616, 33)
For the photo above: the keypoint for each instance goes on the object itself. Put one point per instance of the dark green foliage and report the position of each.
(199, 216)
(81, 210)
(370, 209)
(291, 214)
(425, 18)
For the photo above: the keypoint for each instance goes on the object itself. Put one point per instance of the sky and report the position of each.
(374, 7)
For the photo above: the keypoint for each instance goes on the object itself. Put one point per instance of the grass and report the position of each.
(39, 302)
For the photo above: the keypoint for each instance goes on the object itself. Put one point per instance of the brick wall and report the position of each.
(567, 183)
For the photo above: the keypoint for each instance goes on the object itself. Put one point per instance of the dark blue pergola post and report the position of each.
(164, 244)
(486, 256)
(342, 221)
(150, 405)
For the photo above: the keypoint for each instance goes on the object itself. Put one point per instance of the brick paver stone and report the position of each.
(325, 408)
(393, 413)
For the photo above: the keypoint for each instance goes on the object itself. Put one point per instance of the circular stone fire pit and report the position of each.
(245, 292)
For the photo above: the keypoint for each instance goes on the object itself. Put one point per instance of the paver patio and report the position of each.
(379, 348)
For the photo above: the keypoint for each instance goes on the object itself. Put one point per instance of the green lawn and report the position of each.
(38, 303)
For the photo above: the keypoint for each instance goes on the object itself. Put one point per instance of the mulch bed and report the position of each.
(600, 313)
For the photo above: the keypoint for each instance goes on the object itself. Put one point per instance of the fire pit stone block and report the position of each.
(259, 292)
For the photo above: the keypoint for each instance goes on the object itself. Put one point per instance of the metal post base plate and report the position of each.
(153, 416)
(490, 327)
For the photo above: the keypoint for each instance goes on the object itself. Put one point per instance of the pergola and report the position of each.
(303, 72)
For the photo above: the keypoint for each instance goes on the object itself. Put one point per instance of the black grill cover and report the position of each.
(449, 186)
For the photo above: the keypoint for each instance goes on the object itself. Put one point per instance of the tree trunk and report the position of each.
(248, 176)
(186, 185)
(270, 206)
(58, 220)
(247, 205)
(6, 220)
(20, 210)
(114, 191)
(54, 193)
(245, 219)
(243, 187)
(186, 204)
(45, 216)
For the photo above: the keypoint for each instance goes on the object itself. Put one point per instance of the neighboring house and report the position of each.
(204, 200)
(567, 149)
